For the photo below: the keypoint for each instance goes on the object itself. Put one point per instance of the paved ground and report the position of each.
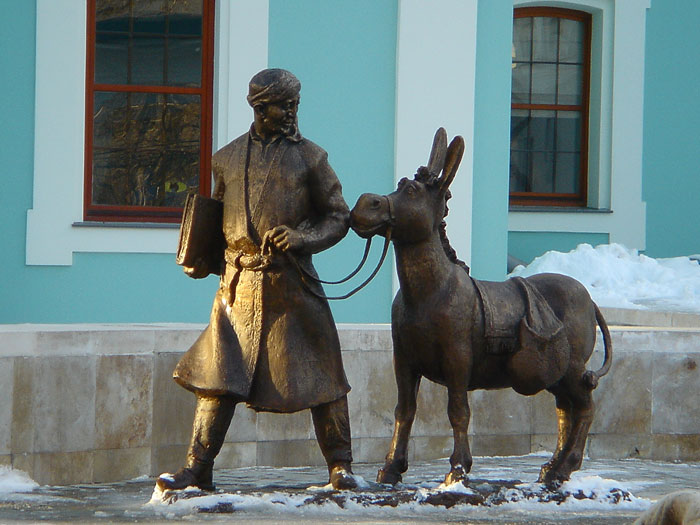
(604, 492)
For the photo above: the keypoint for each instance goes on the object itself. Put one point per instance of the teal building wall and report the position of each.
(671, 179)
(345, 56)
(526, 246)
(491, 139)
(17, 32)
(671, 153)
(97, 287)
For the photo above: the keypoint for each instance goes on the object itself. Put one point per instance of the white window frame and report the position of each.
(616, 128)
(54, 232)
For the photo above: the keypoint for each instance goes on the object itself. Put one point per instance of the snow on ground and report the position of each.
(500, 490)
(620, 277)
(584, 493)
(12, 481)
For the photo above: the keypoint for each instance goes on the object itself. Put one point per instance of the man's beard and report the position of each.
(289, 130)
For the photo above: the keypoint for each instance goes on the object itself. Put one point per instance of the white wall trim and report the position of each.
(436, 63)
(618, 138)
(241, 51)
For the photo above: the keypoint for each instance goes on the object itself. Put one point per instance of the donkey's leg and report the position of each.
(563, 408)
(458, 412)
(581, 417)
(583, 410)
(396, 462)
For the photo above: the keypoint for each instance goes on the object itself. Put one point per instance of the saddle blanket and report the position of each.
(517, 316)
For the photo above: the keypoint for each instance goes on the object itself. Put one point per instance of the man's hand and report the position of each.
(198, 271)
(284, 238)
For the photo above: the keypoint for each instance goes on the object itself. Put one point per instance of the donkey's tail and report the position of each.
(590, 378)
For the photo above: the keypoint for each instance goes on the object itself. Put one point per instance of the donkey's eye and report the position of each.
(411, 191)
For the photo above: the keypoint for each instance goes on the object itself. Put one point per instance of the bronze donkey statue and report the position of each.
(529, 334)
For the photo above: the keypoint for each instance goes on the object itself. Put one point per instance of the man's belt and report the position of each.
(255, 262)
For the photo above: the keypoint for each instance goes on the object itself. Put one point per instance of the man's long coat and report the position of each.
(269, 341)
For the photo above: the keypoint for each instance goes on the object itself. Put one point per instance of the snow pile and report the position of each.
(620, 277)
(12, 481)
(580, 495)
(456, 487)
(361, 484)
(192, 500)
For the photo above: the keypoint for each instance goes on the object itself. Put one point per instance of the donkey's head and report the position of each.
(414, 211)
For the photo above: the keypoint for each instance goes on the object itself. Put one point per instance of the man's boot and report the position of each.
(195, 473)
(332, 425)
(341, 477)
(212, 418)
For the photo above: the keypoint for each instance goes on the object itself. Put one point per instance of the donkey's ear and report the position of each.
(454, 157)
(436, 162)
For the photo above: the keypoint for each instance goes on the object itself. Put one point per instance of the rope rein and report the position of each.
(345, 279)
(306, 275)
(352, 292)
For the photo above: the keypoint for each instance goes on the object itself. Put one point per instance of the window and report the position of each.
(549, 107)
(148, 107)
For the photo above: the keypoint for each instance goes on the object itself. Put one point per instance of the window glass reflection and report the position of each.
(570, 41)
(548, 104)
(545, 36)
(544, 84)
(521, 83)
(522, 39)
(569, 84)
(567, 173)
(148, 42)
(145, 148)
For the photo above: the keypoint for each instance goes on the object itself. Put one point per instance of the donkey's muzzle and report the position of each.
(370, 215)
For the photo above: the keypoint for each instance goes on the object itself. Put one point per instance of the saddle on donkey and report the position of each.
(520, 324)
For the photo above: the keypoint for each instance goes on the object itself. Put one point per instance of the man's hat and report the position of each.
(272, 85)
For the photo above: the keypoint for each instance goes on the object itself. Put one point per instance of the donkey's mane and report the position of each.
(430, 179)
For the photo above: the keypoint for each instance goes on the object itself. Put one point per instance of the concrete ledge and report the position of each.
(95, 403)
(630, 317)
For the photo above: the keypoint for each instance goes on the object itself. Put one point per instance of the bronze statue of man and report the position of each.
(270, 342)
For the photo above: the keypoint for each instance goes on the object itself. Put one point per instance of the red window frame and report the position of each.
(113, 213)
(579, 199)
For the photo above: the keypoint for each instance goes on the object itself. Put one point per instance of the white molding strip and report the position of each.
(436, 60)
(241, 50)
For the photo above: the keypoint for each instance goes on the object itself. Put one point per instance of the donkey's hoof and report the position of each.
(553, 478)
(544, 471)
(456, 474)
(388, 475)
